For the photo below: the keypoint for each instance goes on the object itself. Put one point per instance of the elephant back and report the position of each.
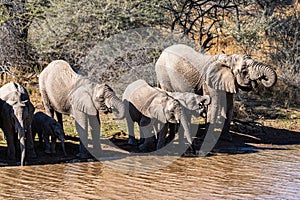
(56, 82)
(59, 70)
(140, 94)
(181, 62)
(188, 54)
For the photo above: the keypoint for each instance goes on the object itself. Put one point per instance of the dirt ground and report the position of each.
(245, 138)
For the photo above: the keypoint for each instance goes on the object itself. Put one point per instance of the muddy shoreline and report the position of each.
(245, 139)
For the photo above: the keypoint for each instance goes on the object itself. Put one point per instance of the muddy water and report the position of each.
(265, 174)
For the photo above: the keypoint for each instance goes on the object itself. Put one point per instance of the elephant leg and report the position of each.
(216, 116)
(59, 119)
(30, 144)
(11, 148)
(22, 147)
(142, 137)
(81, 124)
(181, 140)
(130, 127)
(94, 123)
(47, 143)
(229, 115)
(145, 122)
(148, 145)
(146, 130)
(62, 143)
(40, 139)
(172, 132)
(53, 144)
(162, 136)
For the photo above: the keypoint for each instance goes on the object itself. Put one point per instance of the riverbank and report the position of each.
(246, 138)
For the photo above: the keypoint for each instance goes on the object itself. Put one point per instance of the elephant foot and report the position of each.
(146, 148)
(83, 155)
(47, 151)
(204, 154)
(190, 151)
(132, 141)
(83, 152)
(148, 145)
(142, 140)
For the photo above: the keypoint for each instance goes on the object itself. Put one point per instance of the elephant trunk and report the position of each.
(185, 125)
(263, 72)
(20, 130)
(205, 99)
(118, 107)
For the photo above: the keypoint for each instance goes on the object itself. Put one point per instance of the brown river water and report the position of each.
(272, 173)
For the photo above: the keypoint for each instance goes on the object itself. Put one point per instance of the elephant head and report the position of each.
(105, 100)
(168, 109)
(240, 71)
(196, 104)
(91, 98)
(20, 115)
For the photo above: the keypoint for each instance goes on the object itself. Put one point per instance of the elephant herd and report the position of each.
(190, 83)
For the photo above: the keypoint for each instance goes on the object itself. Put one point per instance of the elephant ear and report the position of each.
(157, 112)
(220, 77)
(82, 101)
(7, 114)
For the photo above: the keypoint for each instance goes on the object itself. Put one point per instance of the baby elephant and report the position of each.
(47, 127)
(151, 108)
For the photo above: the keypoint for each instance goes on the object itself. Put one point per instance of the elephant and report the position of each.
(65, 90)
(47, 127)
(151, 108)
(16, 116)
(193, 104)
(182, 69)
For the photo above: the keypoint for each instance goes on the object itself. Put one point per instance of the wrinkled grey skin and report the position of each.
(16, 117)
(46, 127)
(193, 104)
(180, 68)
(151, 108)
(66, 91)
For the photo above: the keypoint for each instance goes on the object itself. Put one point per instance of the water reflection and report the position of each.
(263, 175)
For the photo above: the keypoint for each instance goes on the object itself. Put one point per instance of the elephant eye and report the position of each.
(100, 98)
(244, 72)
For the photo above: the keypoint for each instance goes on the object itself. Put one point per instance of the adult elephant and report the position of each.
(65, 91)
(181, 68)
(15, 119)
(152, 109)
